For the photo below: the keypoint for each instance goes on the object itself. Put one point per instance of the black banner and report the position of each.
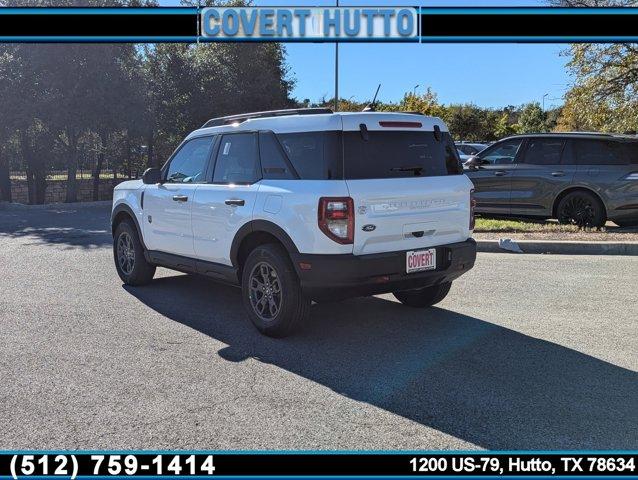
(264, 464)
(64, 24)
(528, 24)
(436, 24)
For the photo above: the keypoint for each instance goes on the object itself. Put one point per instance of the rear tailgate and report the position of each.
(409, 213)
(404, 175)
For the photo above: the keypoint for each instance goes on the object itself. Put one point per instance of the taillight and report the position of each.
(472, 207)
(336, 218)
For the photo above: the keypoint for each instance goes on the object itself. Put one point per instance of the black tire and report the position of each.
(626, 223)
(423, 297)
(581, 208)
(271, 292)
(134, 270)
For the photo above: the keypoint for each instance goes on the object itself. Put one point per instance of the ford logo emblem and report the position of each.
(368, 228)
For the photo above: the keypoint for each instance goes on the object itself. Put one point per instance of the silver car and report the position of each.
(579, 178)
(467, 150)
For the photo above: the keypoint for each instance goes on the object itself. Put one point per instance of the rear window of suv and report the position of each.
(383, 154)
(337, 155)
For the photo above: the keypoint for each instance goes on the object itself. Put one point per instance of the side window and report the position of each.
(315, 155)
(470, 150)
(502, 153)
(190, 162)
(599, 152)
(273, 161)
(237, 159)
(543, 151)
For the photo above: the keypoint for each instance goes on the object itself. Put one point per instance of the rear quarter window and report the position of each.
(314, 155)
(600, 152)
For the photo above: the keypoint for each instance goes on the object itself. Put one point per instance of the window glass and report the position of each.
(190, 162)
(453, 162)
(501, 153)
(237, 159)
(599, 152)
(631, 152)
(315, 155)
(544, 151)
(397, 154)
(467, 149)
(273, 161)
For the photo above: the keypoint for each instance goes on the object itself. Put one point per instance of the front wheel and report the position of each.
(582, 209)
(423, 297)
(271, 292)
(128, 254)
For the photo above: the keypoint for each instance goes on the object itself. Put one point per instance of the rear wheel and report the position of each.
(582, 209)
(271, 292)
(128, 254)
(423, 297)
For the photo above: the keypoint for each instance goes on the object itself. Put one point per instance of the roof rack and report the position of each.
(216, 122)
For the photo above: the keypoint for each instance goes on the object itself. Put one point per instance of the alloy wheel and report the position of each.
(578, 211)
(126, 253)
(265, 291)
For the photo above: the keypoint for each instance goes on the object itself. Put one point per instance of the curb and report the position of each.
(44, 206)
(563, 247)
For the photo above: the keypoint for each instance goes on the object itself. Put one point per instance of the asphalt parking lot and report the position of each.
(527, 352)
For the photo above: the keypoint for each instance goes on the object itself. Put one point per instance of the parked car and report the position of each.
(304, 205)
(467, 150)
(579, 178)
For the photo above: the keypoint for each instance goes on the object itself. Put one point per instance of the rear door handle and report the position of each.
(180, 198)
(500, 173)
(558, 174)
(235, 202)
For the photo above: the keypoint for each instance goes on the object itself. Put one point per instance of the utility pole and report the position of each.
(337, 72)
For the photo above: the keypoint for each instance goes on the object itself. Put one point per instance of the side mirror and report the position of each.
(152, 176)
(473, 162)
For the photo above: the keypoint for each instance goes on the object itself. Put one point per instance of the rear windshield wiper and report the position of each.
(416, 169)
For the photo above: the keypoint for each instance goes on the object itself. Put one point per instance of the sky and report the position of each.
(487, 75)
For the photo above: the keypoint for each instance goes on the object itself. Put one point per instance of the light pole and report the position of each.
(337, 72)
(547, 94)
(414, 89)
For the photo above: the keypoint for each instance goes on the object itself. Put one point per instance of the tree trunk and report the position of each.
(98, 168)
(72, 170)
(152, 161)
(5, 181)
(40, 186)
(36, 175)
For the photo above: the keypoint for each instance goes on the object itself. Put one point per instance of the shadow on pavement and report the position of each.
(64, 224)
(488, 385)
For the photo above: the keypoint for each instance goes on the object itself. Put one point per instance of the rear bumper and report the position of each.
(344, 276)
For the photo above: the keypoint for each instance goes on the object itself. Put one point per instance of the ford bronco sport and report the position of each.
(303, 205)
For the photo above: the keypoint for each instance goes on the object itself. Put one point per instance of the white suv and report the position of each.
(303, 205)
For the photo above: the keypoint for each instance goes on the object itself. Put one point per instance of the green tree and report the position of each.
(426, 103)
(532, 119)
(503, 127)
(604, 96)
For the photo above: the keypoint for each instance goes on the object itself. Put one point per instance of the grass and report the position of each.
(520, 226)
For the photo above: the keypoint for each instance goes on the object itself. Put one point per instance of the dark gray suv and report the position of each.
(578, 178)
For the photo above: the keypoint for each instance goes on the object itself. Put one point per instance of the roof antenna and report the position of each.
(371, 107)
